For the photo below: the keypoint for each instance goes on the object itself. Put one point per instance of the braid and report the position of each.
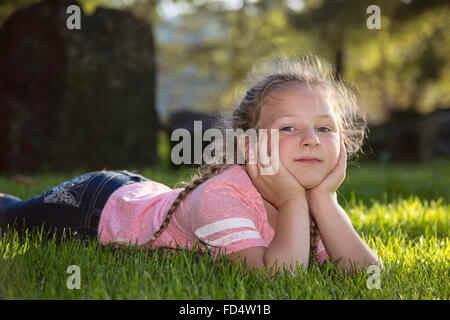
(314, 234)
(213, 171)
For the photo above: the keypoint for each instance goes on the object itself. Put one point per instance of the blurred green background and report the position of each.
(106, 95)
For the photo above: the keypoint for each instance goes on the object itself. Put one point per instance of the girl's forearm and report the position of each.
(290, 244)
(337, 233)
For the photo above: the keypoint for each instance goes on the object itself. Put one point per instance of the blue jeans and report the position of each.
(76, 204)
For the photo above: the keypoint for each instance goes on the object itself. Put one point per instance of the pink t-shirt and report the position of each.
(226, 212)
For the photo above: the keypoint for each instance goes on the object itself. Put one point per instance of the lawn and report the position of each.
(401, 211)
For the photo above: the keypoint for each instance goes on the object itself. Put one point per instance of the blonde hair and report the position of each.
(281, 74)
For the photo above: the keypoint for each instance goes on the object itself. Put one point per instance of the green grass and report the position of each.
(401, 211)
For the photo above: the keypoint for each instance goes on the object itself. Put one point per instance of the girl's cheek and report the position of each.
(285, 147)
(336, 151)
(333, 146)
(330, 141)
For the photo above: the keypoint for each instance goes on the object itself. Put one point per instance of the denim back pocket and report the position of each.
(67, 193)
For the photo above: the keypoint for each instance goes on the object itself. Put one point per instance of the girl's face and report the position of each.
(308, 129)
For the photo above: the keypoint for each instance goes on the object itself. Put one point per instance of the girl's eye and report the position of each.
(287, 127)
(320, 129)
(326, 129)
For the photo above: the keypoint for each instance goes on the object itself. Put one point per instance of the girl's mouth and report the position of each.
(308, 160)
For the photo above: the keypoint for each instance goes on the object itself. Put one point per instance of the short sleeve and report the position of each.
(225, 219)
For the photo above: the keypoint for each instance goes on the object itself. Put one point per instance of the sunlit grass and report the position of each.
(408, 228)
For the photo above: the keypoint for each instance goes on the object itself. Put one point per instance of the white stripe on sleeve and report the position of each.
(234, 237)
(222, 225)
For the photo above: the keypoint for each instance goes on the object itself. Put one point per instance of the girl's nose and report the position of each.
(310, 139)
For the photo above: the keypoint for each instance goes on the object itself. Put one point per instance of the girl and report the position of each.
(279, 221)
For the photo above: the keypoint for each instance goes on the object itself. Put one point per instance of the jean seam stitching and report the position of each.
(88, 217)
(85, 186)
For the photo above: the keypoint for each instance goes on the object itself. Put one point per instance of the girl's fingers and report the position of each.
(344, 152)
(251, 169)
(339, 172)
(343, 155)
(252, 163)
(264, 161)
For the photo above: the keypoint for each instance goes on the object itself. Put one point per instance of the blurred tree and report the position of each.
(405, 64)
(335, 24)
(76, 99)
(221, 43)
(7, 7)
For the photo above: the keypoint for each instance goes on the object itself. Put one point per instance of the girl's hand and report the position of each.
(334, 179)
(278, 188)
